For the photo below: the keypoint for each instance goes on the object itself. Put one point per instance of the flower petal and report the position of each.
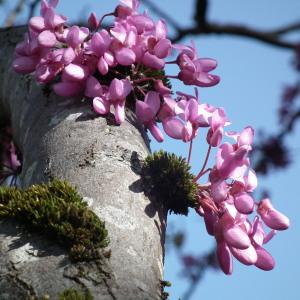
(173, 128)
(245, 256)
(244, 203)
(265, 261)
(153, 100)
(47, 39)
(67, 89)
(224, 258)
(236, 237)
(93, 87)
(76, 72)
(125, 56)
(100, 105)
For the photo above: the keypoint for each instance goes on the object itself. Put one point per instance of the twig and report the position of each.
(289, 125)
(267, 37)
(32, 8)
(11, 18)
(200, 15)
(287, 29)
(206, 261)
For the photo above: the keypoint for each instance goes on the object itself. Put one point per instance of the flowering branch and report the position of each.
(124, 66)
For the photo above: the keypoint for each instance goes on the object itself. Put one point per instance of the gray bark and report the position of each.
(63, 138)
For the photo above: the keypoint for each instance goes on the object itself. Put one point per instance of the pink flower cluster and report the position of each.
(83, 60)
(110, 66)
(10, 164)
(226, 203)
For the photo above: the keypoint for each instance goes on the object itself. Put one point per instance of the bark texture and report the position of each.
(63, 138)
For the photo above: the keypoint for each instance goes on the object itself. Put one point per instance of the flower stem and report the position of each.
(190, 151)
(171, 76)
(103, 17)
(141, 90)
(202, 172)
(137, 81)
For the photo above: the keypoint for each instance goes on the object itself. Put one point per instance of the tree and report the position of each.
(51, 135)
(202, 26)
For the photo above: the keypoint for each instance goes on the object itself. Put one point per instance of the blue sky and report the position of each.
(253, 75)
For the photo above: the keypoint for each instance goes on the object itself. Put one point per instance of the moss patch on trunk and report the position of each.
(58, 211)
(167, 177)
(72, 294)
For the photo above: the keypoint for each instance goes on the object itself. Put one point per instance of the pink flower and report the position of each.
(76, 36)
(93, 21)
(68, 88)
(100, 44)
(192, 115)
(93, 88)
(129, 9)
(217, 122)
(244, 203)
(116, 96)
(146, 112)
(224, 258)
(125, 37)
(265, 261)
(27, 55)
(272, 217)
(195, 71)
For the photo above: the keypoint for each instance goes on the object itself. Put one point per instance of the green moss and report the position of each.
(72, 294)
(167, 177)
(57, 210)
(163, 284)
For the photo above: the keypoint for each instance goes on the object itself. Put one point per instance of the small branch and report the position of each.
(287, 29)
(11, 18)
(207, 261)
(200, 15)
(32, 8)
(267, 37)
(289, 125)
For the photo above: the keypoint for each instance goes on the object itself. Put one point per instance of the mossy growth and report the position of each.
(163, 284)
(57, 210)
(72, 294)
(167, 177)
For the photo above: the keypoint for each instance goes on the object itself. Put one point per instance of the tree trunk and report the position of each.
(65, 139)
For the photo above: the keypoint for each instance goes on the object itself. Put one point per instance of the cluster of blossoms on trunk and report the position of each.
(226, 202)
(10, 158)
(124, 65)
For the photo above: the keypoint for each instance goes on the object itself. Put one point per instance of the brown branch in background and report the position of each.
(11, 18)
(287, 29)
(289, 126)
(271, 37)
(238, 30)
(202, 264)
(201, 13)
(32, 8)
